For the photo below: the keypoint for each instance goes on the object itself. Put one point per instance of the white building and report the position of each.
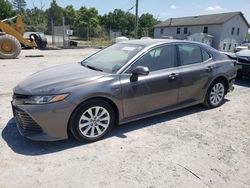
(228, 29)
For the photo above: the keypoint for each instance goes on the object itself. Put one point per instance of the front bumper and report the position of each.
(243, 68)
(47, 122)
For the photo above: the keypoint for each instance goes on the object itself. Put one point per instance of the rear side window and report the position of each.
(205, 55)
(190, 54)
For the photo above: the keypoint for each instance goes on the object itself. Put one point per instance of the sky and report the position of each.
(161, 9)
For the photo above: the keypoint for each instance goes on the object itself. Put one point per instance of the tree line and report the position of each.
(85, 22)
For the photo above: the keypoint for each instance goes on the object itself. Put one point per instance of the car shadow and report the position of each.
(28, 147)
(245, 82)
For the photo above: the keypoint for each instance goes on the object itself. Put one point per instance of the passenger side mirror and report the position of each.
(139, 71)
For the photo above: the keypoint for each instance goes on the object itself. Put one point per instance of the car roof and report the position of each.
(149, 42)
(154, 42)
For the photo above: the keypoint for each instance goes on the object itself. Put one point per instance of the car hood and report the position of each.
(56, 79)
(243, 53)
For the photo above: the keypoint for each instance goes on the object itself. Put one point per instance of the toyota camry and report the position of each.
(127, 81)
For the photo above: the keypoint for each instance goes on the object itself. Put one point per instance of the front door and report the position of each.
(156, 91)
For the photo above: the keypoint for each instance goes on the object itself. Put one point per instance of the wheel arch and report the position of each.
(106, 99)
(221, 77)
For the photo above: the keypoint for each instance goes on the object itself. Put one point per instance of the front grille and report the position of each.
(25, 121)
(244, 60)
(19, 96)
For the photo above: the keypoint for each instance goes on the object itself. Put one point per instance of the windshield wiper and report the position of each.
(93, 68)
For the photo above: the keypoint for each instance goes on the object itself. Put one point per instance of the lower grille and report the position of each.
(25, 121)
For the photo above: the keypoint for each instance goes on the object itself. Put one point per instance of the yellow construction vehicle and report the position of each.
(11, 38)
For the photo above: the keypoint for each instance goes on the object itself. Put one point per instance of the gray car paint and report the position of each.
(152, 94)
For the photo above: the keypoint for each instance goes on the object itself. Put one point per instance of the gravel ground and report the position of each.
(193, 147)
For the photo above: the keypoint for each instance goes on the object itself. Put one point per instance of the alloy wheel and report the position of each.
(217, 94)
(94, 122)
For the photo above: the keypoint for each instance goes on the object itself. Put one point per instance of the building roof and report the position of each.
(211, 19)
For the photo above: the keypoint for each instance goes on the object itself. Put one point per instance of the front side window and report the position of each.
(111, 59)
(189, 54)
(158, 59)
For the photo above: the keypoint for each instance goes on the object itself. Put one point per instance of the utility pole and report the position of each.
(136, 19)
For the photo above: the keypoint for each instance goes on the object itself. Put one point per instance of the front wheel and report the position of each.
(92, 120)
(215, 94)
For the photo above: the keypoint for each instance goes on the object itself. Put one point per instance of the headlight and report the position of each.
(45, 99)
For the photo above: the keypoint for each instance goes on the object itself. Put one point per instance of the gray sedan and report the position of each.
(122, 83)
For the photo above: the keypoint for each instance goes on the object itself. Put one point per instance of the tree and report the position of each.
(35, 19)
(6, 9)
(248, 37)
(70, 15)
(87, 20)
(54, 13)
(119, 20)
(146, 25)
(19, 5)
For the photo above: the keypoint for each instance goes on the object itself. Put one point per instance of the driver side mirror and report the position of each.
(139, 71)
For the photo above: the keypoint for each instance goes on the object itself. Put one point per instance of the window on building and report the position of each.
(205, 30)
(224, 46)
(185, 30)
(232, 32)
(178, 30)
(162, 31)
(189, 54)
(229, 47)
(238, 31)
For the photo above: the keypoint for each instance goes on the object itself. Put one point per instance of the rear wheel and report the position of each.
(215, 94)
(10, 47)
(92, 120)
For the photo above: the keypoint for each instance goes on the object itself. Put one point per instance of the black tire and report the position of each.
(40, 44)
(15, 49)
(77, 114)
(208, 102)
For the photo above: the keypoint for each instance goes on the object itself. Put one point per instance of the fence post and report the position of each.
(53, 32)
(63, 24)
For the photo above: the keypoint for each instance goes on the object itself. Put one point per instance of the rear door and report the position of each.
(196, 69)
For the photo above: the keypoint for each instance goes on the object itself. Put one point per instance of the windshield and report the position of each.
(111, 59)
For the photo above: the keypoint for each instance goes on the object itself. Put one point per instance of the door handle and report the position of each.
(173, 76)
(210, 68)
